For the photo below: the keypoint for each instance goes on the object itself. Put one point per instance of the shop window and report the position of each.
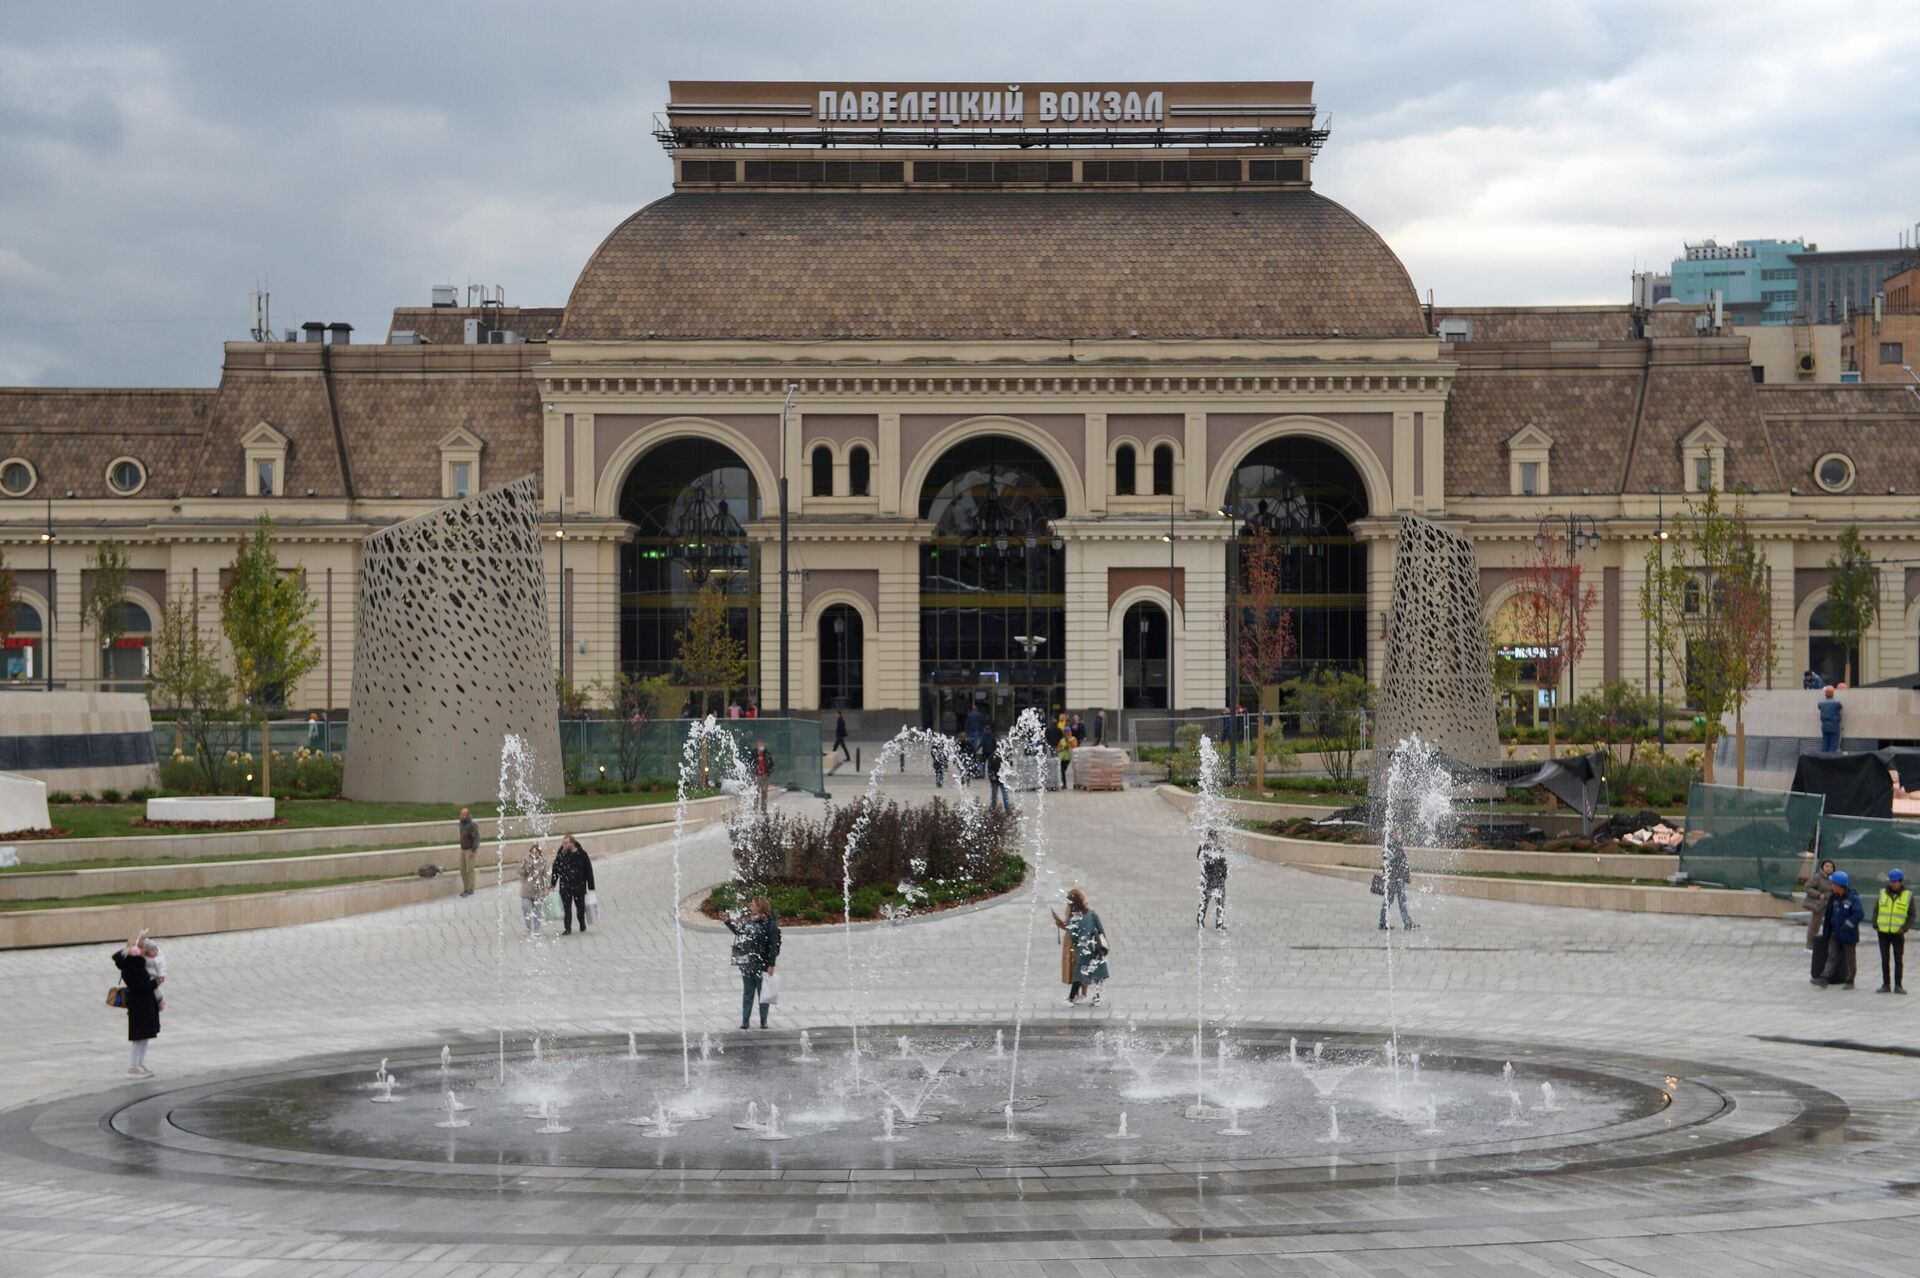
(1123, 477)
(859, 471)
(1163, 471)
(822, 471)
(20, 650)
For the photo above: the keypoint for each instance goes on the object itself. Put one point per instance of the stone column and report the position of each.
(1095, 469)
(893, 650)
(886, 464)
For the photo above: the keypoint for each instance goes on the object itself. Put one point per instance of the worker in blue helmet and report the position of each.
(1844, 914)
(1892, 916)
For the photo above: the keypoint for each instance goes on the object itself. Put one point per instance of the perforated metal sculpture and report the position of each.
(1438, 680)
(452, 652)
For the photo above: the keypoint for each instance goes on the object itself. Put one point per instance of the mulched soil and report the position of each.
(836, 918)
(21, 836)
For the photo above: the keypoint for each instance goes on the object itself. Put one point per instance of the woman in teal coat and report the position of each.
(1083, 948)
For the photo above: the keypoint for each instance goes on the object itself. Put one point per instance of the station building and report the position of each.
(1027, 359)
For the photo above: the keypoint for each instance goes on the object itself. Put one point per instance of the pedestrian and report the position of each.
(1212, 855)
(762, 767)
(1891, 920)
(573, 878)
(1083, 949)
(1843, 933)
(753, 707)
(1815, 899)
(469, 849)
(733, 709)
(1079, 731)
(1054, 733)
(141, 998)
(840, 735)
(316, 732)
(996, 786)
(1065, 755)
(533, 886)
(1099, 727)
(756, 950)
(1396, 872)
(157, 969)
(976, 723)
(1830, 711)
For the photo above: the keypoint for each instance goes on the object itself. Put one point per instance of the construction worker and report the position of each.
(1891, 920)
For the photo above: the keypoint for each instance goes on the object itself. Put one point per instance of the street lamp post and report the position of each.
(786, 410)
(46, 631)
(561, 537)
(1232, 511)
(1173, 712)
(1660, 603)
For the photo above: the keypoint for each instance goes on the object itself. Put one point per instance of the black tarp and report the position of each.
(1575, 781)
(1852, 784)
(1906, 761)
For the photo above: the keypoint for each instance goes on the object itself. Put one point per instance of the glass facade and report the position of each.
(993, 628)
(1306, 496)
(686, 500)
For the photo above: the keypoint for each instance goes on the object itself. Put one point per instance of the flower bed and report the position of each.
(187, 827)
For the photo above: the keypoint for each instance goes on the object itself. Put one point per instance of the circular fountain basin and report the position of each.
(211, 808)
(949, 1096)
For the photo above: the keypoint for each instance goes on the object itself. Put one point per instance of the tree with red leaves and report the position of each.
(1266, 629)
(1550, 611)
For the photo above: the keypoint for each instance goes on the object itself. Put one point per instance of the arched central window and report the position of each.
(842, 658)
(1831, 659)
(1143, 657)
(992, 583)
(1303, 497)
(687, 500)
(822, 471)
(124, 666)
(1163, 470)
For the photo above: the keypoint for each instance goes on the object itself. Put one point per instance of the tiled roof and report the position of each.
(1876, 427)
(1681, 397)
(446, 325)
(986, 265)
(1587, 412)
(393, 424)
(1566, 323)
(70, 436)
(293, 403)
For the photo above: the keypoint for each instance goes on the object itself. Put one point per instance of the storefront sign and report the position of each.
(771, 104)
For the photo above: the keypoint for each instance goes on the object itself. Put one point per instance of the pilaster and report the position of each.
(886, 464)
(1096, 477)
(1193, 460)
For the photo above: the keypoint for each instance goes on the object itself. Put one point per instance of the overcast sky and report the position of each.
(157, 162)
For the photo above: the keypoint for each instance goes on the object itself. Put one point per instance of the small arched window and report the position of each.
(823, 471)
(1123, 478)
(859, 472)
(1163, 470)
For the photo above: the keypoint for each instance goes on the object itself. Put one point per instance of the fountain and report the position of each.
(772, 1130)
(446, 1064)
(695, 767)
(550, 1110)
(751, 1123)
(999, 1045)
(633, 1049)
(386, 1096)
(1515, 1117)
(1010, 1136)
(1546, 1098)
(1233, 1127)
(658, 1124)
(519, 793)
(886, 1136)
(453, 1118)
(1333, 1136)
(1121, 1132)
(1027, 740)
(806, 1047)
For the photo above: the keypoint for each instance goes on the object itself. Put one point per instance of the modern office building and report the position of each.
(1754, 278)
(1027, 366)
(1834, 286)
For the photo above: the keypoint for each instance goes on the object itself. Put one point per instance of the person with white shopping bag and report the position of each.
(756, 948)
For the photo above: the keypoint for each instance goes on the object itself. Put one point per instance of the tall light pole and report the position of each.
(1173, 712)
(46, 635)
(786, 409)
(561, 537)
(1232, 511)
(1660, 602)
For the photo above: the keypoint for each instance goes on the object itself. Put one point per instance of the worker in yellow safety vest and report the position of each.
(1891, 921)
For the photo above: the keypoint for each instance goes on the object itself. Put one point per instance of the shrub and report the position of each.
(59, 796)
(920, 843)
(140, 795)
(110, 795)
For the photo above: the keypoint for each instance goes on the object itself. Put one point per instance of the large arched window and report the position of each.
(1163, 470)
(1826, 655)
(1125, 482)
(25, 641)
(859, 471)
(992, 583)
(1143, 657)
(687, 500)
(842, 649)
(823, 471)
(124, 666)
(1305, 496)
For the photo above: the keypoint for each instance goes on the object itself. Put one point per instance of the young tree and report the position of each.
(710, 656)
(267, 615)
(1333, 708)
(1722, 632)
(1551, 611)
(631, 700)
(9, 598)
(1853, 596)
(105, 606)
(1266, 632)
(186, 676)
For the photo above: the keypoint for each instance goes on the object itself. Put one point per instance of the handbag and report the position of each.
(770, 988)
(1377, 885)
(1100, 944)
(593, 906)
(117, 996)
(550, 905)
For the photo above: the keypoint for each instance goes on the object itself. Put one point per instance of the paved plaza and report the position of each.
(1807, 1160)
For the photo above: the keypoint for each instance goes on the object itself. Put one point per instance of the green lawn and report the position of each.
(180, 894)
(116, 820)
(129, 863)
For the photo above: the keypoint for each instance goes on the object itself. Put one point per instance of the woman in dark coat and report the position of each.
(143, 1003)
(1395, 874)
(755, 954)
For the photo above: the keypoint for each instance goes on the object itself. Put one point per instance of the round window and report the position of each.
(16, 477)
(126, 475)
(1834, 472)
